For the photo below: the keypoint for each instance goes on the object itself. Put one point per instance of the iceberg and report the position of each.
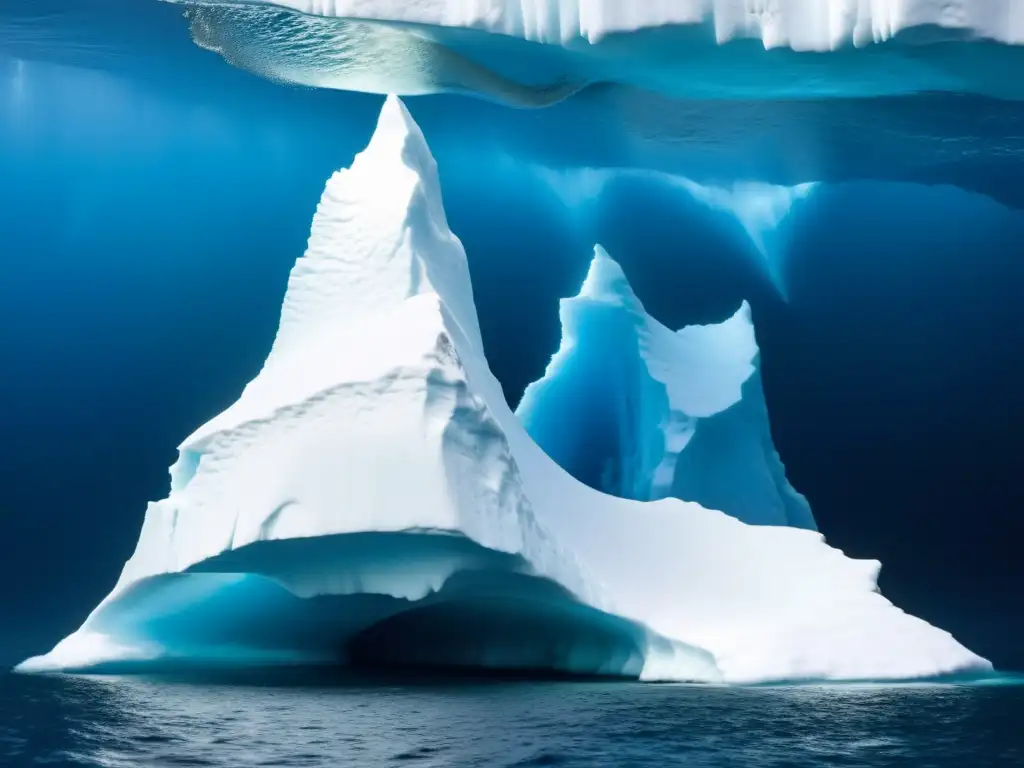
(535, 53)
(761, 211)
(370, 498)
(631, 408)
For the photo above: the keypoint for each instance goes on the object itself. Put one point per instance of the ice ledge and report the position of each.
(803, 25)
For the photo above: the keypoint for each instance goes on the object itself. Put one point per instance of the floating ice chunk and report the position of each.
(370, 497)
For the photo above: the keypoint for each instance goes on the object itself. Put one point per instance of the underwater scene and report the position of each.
(511, 382)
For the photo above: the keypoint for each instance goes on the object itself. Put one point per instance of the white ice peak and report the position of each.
(372, 484)
(393, 188)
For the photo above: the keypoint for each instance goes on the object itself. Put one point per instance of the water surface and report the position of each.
(82, 721)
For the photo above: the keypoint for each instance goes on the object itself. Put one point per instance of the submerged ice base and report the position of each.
(371, 486)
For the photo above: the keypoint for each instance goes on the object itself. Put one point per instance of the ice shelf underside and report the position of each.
(536, 57)
(376, 414)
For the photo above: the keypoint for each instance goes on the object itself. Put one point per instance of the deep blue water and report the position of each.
(131, 722)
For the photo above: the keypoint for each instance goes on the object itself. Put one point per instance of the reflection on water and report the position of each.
(135, 722)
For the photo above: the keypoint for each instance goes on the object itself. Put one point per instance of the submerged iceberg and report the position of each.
(633, 409)
(532, 53)
(370, 498)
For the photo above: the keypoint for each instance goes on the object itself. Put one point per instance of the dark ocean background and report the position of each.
(151, 206)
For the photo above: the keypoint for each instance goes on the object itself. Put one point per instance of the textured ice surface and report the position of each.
(694, 48)
(371, 497)
(814, 25)
(760, 210)
(639, 411)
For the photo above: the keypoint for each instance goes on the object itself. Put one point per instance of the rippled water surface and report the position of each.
(136, 722)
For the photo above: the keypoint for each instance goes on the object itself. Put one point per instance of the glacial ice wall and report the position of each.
(370, 498)
(636, 410)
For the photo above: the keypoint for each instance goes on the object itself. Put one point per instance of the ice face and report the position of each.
(631, 408)
(760, 210)
(361, 484)
(532, 54)
(611, 430)
(371, 498)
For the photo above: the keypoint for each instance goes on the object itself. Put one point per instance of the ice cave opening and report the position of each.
(429, 600)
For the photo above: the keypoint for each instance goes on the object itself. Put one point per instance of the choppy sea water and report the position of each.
(90, 721)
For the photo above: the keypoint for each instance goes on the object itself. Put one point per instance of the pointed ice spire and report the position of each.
(379, 236)
(605, 281)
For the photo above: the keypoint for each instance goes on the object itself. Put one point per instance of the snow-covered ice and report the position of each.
(371, 496)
